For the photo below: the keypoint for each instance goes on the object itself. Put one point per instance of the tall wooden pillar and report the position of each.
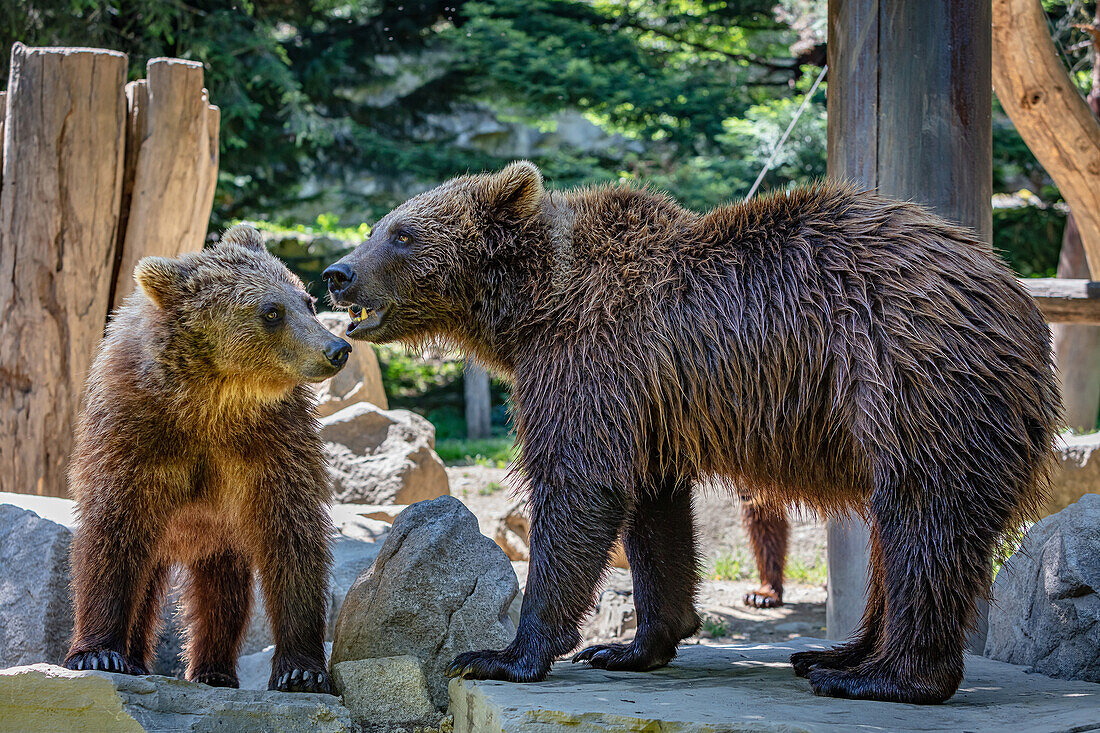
(909, 110)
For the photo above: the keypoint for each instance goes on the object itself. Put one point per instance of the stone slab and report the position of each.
(43, 698)
(751, 687)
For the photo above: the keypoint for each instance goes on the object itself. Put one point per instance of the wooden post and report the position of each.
(909, 113)
(175, 167)
(478, 402)
(64, 132)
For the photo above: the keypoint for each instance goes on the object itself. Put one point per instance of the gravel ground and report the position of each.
(487, 492)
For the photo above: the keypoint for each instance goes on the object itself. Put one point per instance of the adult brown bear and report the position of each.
(824, 346)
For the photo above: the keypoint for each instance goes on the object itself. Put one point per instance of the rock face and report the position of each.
(36, 615)
(437, 588)
(385, 692)
(44, 699)
(359, 381)
(1077, 473)
(750, 687)
(382, 456)
(1046, 599)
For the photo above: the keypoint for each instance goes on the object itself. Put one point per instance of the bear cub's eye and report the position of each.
(272, 314)
(403, 238)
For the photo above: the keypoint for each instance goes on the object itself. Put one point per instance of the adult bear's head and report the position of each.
(420, 271)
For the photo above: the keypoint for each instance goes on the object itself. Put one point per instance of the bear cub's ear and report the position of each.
(159, 278)
(244, 236)
(516, 190)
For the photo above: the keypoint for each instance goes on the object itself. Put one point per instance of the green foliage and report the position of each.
(492, 452)
(731, 566)
(713, 627)
(1029, 238)
(799, 571)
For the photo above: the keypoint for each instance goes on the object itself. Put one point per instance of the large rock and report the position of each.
(45, 699)
(1046, 598)
(1077, 472)
(385, 693)
(36, 615)
(359, 381)
(382, 456)
(750, 687)
(437, 588)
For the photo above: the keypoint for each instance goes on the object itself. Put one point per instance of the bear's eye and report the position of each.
(272, 315)
(403, 238)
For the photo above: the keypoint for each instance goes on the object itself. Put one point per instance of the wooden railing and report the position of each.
(1065, 301)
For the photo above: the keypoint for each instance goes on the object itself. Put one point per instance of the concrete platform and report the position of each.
(751, 687)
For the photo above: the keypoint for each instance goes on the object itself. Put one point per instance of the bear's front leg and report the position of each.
(291, 531)
(111, 571)
(572, 531)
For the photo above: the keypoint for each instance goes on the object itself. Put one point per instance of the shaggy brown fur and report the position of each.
(768, 532)
(826, 346)
(197, 445)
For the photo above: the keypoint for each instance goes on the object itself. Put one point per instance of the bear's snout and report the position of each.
(337, 352)
(339, 278)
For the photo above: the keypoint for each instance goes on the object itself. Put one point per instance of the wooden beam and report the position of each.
(1065, 301)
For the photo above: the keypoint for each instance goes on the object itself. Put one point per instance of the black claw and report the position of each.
(296, 675)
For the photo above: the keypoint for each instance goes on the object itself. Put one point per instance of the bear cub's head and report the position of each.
(414, 275)
(237, 310)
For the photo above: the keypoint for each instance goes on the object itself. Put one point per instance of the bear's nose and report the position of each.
(337, 352)
(338, 277)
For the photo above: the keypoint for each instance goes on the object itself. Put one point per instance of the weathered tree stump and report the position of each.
(64, 140)
(175, 163)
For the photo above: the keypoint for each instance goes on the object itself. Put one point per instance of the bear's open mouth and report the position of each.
(364, 319)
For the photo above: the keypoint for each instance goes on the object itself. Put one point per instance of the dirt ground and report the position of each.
(487, 492)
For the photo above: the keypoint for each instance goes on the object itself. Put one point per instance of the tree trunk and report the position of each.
(175, 167)
(62, 181)
(1046, 108)
(478, 402)
(1077, 348)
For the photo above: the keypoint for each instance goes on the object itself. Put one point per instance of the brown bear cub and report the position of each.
(825, 346)
(197, 445)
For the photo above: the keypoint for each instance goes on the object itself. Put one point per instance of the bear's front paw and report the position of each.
(508, 665)
(632, 657)
(103, 660)
(301, 680)
(216, 679)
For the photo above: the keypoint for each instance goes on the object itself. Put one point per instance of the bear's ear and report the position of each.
(516, 190)
(159, 278)
(244, 236)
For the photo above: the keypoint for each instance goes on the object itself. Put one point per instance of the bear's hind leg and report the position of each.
(863, 641)
(768, 533)
(659, 538)
(936, 561)
(146, 622)
(217, 602)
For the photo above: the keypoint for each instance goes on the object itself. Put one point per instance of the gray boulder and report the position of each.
(1046, 599)
(381, 456)
(438, 588)
(44, 699)
(36, 614)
